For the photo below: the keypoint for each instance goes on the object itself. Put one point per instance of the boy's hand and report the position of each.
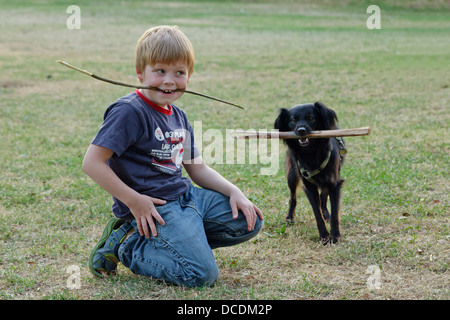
(239, 201)
(205, 177)
(142, 207)
(144, 211)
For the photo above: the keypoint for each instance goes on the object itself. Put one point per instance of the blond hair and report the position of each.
(164, 44)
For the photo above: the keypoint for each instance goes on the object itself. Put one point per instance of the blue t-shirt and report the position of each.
(149, 144)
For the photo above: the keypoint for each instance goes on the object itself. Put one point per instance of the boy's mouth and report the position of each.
(165, 91)
(169, 91)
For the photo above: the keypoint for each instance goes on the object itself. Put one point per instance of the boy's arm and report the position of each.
(141, 206)
(208, 178)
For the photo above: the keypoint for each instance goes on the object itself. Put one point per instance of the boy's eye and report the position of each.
(180, 73)
(160, 71)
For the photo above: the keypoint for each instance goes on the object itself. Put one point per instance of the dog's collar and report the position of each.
(308, 175)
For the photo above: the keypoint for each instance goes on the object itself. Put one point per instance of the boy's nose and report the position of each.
(168, 79)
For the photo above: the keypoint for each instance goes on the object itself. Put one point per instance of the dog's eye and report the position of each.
(309, 118)
(294, 119)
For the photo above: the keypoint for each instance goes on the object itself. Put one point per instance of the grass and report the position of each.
(395, 210)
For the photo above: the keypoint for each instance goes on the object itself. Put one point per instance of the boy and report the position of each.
(136, 156)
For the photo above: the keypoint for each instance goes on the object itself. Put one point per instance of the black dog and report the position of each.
(316, 161)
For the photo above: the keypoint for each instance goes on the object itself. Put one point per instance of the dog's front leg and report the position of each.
(323, 204)
(312, 193)
(293, 181)
(335, 195)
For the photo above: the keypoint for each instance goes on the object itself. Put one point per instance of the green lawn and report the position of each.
(263, 56)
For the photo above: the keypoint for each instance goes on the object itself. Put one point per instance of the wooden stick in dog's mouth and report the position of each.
(364, 131)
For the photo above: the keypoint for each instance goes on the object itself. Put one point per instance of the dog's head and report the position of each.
(304, 118)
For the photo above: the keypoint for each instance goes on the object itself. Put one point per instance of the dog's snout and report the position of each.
(301, 131)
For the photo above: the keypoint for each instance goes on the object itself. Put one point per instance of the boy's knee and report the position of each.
(210, 277)
(205, 278)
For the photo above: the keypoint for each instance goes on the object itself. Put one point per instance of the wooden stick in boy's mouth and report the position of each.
(142, 87)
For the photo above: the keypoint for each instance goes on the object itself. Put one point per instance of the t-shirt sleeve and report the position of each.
(121, 128)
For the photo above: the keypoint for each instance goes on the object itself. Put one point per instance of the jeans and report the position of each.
(181, 253)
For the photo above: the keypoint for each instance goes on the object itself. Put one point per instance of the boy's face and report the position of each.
(166, 77)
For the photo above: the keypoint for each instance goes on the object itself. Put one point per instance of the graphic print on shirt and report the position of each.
(168, 158)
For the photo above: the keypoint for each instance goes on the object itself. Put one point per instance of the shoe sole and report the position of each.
(106, 233)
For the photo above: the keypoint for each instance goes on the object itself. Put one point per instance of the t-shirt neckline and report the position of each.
(154, 105)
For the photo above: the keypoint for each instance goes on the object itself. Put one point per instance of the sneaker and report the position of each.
(103, 258)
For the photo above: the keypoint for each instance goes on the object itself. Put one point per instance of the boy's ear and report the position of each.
(140, 76)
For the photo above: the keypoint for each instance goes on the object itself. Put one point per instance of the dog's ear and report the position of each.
(329, 117)
(282, 121)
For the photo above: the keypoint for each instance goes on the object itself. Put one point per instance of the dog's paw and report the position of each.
(289, 220)
(336, 239)
(325, 240)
